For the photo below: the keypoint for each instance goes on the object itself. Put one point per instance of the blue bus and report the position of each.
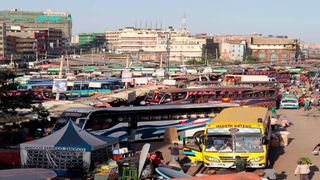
(148, 122)
(78, 88)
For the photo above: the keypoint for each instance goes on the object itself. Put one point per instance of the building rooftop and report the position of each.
(272, 41)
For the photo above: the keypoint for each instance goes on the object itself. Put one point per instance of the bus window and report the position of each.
(248, 142)
(219, 143)
(179, 96)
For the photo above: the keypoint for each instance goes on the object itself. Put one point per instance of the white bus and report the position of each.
(148, 122)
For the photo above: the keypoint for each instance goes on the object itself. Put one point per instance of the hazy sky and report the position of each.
(295, 18)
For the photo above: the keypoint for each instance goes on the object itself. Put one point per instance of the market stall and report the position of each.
(68, 151)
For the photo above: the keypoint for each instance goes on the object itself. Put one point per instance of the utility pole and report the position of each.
(168, 53)
(46, 55)
(91, 56)
(11, 59)
(161, 60)
(68, 65)
(206, 57)
(37, 58)
(60, 76)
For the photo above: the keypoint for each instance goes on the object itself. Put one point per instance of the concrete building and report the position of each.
(31, 45)
(3, 43)
(92, 40)
(233, 51)
(156, 43)
(33, 21)
(274, 49)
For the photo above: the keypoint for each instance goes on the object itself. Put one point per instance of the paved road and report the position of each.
(304, 135)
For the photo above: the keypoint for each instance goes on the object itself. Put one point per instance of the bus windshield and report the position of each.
(249, 142)
(219, 143)
(65, 117)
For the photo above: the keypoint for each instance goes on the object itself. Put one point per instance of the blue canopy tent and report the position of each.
(68, 149)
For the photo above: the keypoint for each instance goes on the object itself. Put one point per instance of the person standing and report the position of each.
(240, 164)
(303, 170)
(175, 151)
(306, 104)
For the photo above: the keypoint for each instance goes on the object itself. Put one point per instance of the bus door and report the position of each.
(192, 148)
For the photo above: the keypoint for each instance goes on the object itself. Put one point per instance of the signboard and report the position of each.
(88, 69)
(59, 85)
(233, 130)
(170, 82)
(126, 76)
(95, 84)
(160, 72)
(70, 83)
(16, 28)
(141, 80)
(53, 69)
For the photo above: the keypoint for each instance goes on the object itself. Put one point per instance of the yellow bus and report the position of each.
(238, 131)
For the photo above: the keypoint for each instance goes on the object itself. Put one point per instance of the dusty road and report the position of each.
(304, 135)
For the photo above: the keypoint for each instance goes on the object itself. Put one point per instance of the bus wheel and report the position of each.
(198, 134)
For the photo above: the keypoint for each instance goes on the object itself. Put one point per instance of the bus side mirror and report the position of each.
(201, 140)
(265, 140)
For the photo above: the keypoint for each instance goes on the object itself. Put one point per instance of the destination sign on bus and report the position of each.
(233, 126)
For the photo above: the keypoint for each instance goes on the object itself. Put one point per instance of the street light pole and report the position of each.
(168, 53)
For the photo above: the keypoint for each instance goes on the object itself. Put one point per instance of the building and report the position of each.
(92, 40)
(274, 49)
(30, 45)
(156, 44)
(233, 51)
(33, 21)
(3, 43)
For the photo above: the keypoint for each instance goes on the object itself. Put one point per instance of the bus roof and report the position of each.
(240, 114)
(153, 108)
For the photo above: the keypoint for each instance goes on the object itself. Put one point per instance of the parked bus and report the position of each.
(78, 88)
(238, 131)
(148, 122)
(252, 96)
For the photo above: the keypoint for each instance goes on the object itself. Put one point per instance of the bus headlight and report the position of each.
(212, 159)
(256, 159)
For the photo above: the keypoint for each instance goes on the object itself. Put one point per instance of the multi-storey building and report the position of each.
(274, 49)
(267, 49)
(3, 48)
(32, 44)
(33, 21)
(233, 51)
(155, 44)
(92, 40)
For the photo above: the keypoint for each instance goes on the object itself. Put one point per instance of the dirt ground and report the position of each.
(304, 135)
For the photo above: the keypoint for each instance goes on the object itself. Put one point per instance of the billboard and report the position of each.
(59, 85)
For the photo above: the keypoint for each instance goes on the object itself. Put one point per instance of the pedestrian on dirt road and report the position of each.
(175, 151)
(306, 104)
(240, 164)
(303, 170)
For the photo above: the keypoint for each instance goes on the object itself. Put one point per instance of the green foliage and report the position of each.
(41, 111)
(194, 62)
(251, 59)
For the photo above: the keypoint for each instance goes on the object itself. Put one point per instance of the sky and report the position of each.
(294, 18)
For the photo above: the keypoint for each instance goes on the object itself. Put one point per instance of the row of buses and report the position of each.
(219, 132)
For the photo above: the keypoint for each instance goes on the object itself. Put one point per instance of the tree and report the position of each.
(10, 100)
(252, 59)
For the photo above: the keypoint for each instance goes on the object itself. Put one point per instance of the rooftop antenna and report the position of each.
(135, 24)
(145, 24)
(184, 22)
(140, 24)
(150, 24)
(156, 24)
(161, 24)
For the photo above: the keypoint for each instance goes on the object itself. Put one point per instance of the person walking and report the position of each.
(175, 151)
(303, 170)
(240, 164)
(306, 104)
